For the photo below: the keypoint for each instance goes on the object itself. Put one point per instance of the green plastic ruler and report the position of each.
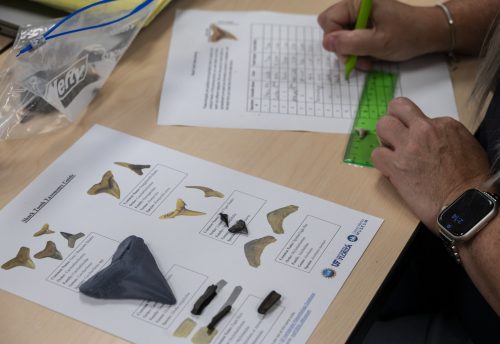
(377, 93)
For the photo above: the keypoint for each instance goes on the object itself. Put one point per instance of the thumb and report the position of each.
(354, 42)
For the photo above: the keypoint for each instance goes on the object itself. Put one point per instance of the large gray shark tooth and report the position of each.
(72, 238)
(44, 230)
(276, 217)
(216, 34)
(132, 274)
(133, 167)
(208, 192)
(181, 210)
(254, 249)
(21, 259)
(106, 185)
(49, 251)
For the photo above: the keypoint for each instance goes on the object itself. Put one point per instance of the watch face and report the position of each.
(467, 211)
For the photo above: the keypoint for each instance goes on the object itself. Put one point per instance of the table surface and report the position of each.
(313, 164)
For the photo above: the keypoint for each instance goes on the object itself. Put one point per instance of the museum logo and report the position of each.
(328, 273)
(352, 238)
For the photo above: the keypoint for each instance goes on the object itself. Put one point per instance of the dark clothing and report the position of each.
(428, 298)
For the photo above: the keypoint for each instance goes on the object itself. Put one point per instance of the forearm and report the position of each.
(480, 258)
(472, 20)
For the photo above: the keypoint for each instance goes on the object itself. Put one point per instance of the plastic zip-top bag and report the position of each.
(54, 70)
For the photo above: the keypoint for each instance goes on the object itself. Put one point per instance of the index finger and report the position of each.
(405, 110)
(338, 16)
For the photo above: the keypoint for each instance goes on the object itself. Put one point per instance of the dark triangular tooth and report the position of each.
(132, 274)
(239, 227)
(72, 238)
(224, 218)
(44, 230)
(21, 259)
(270, 300)
(49, 251)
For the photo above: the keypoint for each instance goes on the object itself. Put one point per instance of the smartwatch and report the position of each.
(465, 217)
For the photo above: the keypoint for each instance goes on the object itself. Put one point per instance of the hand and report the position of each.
(398, 31)
(430, 162)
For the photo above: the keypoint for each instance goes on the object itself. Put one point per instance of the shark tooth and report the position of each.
(50, 251)
(133, 167)
(72, 238)
(107, 185)
(216, 34)
(44, 230)
(239, 227)
(224, 218)
(254, 249)
(276, 217)
(132, 274)
(185, 328)
(208, 192)
(180, 210)
(203, 336)
(362, 132)
(21, 259)
(271, 299)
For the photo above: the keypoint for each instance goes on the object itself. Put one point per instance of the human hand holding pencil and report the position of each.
(393, 31)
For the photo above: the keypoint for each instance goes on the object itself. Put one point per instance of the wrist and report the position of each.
(434, 25)
(454, 193)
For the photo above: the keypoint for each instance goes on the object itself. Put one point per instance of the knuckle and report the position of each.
(423, 127)
(400, 104)
(447, 123)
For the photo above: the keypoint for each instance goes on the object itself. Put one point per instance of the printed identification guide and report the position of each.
(110, 185)
(267, 70)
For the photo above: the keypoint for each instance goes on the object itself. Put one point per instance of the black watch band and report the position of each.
(451, 248)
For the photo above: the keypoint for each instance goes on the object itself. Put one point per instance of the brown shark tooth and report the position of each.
(254, 249)
(208, 192)
(133, 167)
(276, 217)
(107, 185)
(22, 259)
(216, 34)
(50, 251)
(185, 328)
(180, 210)
(362, 132)
(72, 238)
(44, 230)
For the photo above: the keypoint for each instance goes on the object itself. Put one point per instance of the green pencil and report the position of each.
(361, 22)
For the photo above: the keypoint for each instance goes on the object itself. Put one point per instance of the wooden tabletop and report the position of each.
(308, 162)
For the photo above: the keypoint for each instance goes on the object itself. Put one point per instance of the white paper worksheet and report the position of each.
(268, 70)
(305, 254)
